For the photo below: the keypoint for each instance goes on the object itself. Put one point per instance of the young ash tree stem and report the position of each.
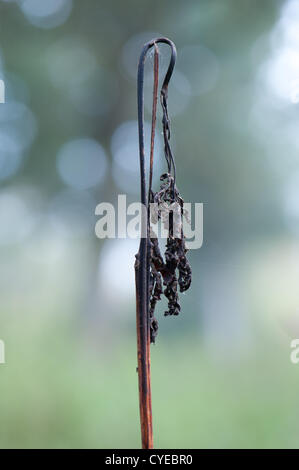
(151, 271)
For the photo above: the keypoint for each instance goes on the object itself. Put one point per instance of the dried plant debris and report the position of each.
(167, 273)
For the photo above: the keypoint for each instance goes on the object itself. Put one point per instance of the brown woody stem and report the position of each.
(142, 264)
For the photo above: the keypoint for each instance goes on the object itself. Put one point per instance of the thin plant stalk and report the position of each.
(142, 264)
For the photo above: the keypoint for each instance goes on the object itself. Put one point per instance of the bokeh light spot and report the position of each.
(10, 156)
(125, 152)
(82, 163)
(46, 14)
(17, 220)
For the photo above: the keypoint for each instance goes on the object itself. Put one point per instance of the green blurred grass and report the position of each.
(58, 391)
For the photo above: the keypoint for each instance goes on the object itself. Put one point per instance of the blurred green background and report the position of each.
(221, 371)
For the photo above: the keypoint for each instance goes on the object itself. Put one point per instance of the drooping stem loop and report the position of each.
(142, 265)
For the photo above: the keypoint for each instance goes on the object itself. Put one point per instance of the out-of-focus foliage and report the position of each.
(222, 376)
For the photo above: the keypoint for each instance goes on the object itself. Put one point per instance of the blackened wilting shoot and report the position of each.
(157, 275)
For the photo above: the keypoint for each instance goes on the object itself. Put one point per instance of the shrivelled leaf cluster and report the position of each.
(172, 271)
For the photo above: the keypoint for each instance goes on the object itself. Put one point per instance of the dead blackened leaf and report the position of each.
(174, 270)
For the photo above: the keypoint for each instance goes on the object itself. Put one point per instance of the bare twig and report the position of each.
(142, 264)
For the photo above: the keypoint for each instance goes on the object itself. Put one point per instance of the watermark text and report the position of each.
(175, 220)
